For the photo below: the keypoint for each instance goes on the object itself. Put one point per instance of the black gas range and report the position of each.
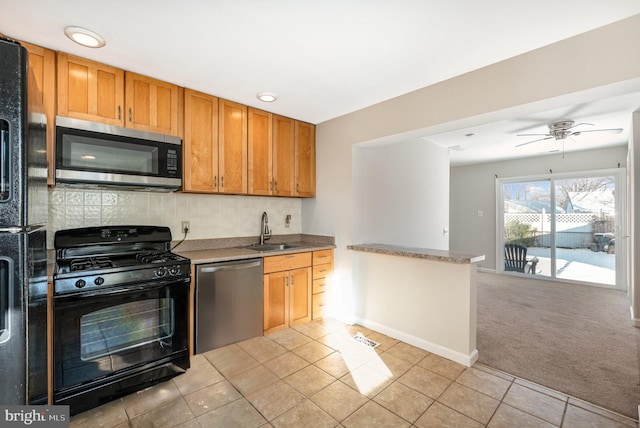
(120, 313)
(94, 258)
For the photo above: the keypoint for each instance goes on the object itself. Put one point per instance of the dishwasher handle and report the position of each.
(240, 264)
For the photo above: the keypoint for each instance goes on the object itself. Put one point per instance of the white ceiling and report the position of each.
(323, 58)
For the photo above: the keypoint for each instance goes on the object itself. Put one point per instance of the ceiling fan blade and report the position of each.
(534, 141)
(532, 135)
(611, 130)
(581, 123)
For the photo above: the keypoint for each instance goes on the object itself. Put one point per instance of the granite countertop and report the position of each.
(420, 253)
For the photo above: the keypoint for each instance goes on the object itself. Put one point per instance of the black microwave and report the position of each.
(97, 155)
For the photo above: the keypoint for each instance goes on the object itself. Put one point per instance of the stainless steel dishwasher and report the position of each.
(228, 303)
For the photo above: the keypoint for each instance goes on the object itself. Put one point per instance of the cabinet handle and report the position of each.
(292, 281)
(271, 185)
(286, 281)
(298, 187)
(119, 113)
(130, 115)
(222, 181)
(215, 181)
(276, 186)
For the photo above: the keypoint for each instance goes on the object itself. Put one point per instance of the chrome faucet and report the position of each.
(265, 233)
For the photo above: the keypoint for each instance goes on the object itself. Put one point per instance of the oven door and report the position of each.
(102, 334)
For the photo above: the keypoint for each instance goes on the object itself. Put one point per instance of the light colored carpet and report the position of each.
(572, 338)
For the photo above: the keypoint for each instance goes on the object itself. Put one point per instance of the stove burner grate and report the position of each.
(91, 263)
(154, 257)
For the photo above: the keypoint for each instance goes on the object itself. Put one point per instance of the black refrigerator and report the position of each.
(23, 216)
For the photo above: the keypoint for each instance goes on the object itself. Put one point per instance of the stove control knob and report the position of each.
(161, 272)
(174, 270)
(80, 283)
(99, 281)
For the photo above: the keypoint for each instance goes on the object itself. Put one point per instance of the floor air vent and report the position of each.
(364, 341)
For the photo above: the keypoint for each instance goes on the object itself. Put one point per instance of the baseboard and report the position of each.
(434, 348)
(487, 270)
(634, 321)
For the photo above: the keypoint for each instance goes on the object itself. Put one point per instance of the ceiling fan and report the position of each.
(563, 129)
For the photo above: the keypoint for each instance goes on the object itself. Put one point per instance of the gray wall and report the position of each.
(473, 189)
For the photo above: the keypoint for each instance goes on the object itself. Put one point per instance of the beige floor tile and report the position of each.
(540, 388)
(150, 398)
(337, 365)
(366, 381)
(253, 380)
(237, 414)
(262, 348)
(440, 416)
(310, 380)
(230, 360)
(337, 340)
(424, 381)
(304, 415)
(286, 364)
(607, 414)
(407, 352)
(470, 403)
(354, 329)
(442, 366)
(275, 399)
(201, 374)
(484, 382)
(312, 329)
(509, 417)
(312, 351)
(107, 415)
(536, 403)
(385, 341)
(289, 338)
(576, 417)
(374, 415)
(212, 397)
(165, 416)
(339, 400)
(193, 423)
(405, 402)
(494, 372)
(389, 365)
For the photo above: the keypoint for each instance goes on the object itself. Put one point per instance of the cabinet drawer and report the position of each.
(322, 256)
(318, 307)
(321, 271)
(320, 285)
(286, 262)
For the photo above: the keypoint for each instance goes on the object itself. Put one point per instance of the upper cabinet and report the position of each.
(151, 105)
(232, 150)
(305, 160)
(89, 90)
(97, 92)
(260, 152)
(42, 63)
(283, 155)
(200, 142)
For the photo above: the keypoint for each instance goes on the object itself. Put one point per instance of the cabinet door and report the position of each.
(283, 155)
(89, 90)
(152, 105)
(300, 300)
(305, 159)
(232, 151)
(200, 142)
(42, 63)
(259, 152)
(276, 301)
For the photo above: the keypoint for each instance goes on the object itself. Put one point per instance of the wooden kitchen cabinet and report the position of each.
(151, 105)
(259, 152)
(283, 155)
(232, 149)
(287, 291)
(322, 268)
(90, 90)
(42, 62)
(200, 142)
(305, 159)
(101, 93)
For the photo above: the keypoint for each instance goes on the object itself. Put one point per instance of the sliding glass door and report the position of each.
(563, 227)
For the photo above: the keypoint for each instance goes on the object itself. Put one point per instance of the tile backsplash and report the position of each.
(211, 216)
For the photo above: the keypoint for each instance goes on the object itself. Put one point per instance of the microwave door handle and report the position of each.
(4, 164)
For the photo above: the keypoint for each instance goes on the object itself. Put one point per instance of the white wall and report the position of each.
(473, 189)
(634, 217)
(211, 216)
(400, 194)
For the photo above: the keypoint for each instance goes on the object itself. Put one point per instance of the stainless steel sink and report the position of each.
(270, 247)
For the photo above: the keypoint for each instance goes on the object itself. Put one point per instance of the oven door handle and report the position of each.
(146, 286)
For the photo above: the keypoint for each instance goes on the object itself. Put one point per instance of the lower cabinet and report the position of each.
(287, 291)
(322, 268)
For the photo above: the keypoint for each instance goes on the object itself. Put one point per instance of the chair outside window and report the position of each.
(515, 259)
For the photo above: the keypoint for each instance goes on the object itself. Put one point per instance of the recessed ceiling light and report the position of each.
(267, 97)
(84, 37)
